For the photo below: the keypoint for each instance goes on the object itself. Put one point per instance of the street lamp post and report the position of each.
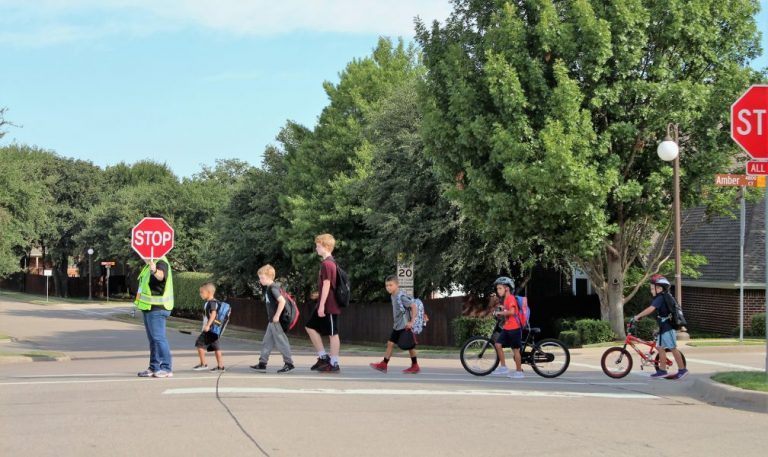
(669, 151)
(90, 271)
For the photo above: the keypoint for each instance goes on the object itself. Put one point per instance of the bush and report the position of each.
(565, 323)
(758, 325)
(186, 292)
(594, 331)
(645, 328)
(570, 338)
(465, 326)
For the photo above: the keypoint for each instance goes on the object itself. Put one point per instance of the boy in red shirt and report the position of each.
(512, 332)
(325, 317)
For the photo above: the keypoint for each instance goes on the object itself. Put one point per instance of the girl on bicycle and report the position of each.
(512, 332)
(667, 335)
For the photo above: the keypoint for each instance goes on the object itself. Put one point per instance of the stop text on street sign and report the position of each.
(152, 238)
(749, 121)
(728, 180)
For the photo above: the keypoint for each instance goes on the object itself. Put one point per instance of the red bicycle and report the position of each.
(617, 361)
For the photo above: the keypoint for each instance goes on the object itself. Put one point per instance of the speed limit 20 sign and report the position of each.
(405, 266)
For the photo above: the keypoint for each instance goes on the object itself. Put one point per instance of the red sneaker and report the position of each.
(413, 370)
(381, 366)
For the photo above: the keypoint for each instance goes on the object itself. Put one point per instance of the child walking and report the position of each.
(404, 311)
(208, 340)
(274, 336)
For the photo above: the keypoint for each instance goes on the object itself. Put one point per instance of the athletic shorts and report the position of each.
(208, 340)
(326, 326)
(511, 339)
(667, 339)
(395, 335)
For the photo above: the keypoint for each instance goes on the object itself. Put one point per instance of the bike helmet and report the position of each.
(504, 280)
(660, 280)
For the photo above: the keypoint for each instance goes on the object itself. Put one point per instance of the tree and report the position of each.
(552, 110)
(246, 231)
(317, 197)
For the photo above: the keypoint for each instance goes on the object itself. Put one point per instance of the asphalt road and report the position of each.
(94, 405)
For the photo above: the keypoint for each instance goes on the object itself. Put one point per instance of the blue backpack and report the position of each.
(222, 318)
(422, 318)
(524, 312)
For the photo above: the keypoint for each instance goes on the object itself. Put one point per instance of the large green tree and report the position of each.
(552, 110)
(318, 198)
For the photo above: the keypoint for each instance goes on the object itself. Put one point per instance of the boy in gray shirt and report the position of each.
(404, 311)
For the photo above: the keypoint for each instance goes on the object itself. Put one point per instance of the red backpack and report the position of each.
(523, 311)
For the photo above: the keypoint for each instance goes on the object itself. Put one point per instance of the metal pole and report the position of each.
(743, 217)
(765, 223)
(107, 283)
(678, 254)
(90, 279)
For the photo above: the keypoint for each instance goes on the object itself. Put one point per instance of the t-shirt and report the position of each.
(328, 272)
(156, 286)
(663, 312)
(208, 308)
(271, 296)
(510, 303)
(401, 305)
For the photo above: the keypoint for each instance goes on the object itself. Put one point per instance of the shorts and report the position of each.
(510, 339)
(208, 340)
(667, 339)
(395, 335)
(326, 326)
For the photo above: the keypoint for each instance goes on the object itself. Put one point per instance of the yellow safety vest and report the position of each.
(144, 298)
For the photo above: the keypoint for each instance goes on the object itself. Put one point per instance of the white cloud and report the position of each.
(40, 22)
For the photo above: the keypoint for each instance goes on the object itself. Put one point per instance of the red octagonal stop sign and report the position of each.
(749, 121)
(152, 238)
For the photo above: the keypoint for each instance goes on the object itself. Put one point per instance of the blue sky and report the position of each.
(184, 81)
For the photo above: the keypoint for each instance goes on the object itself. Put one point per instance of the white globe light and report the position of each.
(90, 251)
(667, 150)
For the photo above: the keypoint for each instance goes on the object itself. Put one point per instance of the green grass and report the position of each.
(749, 380)
(5, 337)
(40, 299)
(726, 342)
(37, 355)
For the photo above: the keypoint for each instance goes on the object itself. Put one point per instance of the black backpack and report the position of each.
(343, 289)
(676, 317)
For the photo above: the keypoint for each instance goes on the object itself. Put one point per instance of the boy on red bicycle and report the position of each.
(667, 336)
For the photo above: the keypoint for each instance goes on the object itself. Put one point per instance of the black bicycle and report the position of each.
(549, 357)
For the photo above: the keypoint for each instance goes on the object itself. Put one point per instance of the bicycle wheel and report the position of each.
(478, 356)
(616, 362)
(550, 358)
(671, 364)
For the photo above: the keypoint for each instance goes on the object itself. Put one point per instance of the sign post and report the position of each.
(749, 129)
(108, 266)
(47, 274)
(405, 267)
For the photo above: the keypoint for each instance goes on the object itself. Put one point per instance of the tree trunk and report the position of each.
(612, 300)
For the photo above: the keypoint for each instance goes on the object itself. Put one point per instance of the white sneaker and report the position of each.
(501, 371)
(163, 374)
(516, 375)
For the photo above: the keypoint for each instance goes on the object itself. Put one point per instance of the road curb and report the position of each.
(719, 394)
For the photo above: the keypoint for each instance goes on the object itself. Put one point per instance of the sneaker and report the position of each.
(146, 374)
(163, 374)
(381, 366)
(413, 370)
(262, 367)
(218, 370)
(286, 368)
(659, 374)
(681, 373)
(321, 363)
(200, 367)
(333, 369)
(501, 371)
(516, 375)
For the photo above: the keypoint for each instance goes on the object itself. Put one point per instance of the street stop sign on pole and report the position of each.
(152, 238)
(749, 129)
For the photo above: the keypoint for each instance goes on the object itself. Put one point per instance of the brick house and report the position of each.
(711, 302)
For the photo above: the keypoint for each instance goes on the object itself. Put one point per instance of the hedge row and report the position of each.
(758, 325)
(465, 327)
(186, 290)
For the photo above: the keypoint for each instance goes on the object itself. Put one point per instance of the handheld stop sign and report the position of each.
(152, 238)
